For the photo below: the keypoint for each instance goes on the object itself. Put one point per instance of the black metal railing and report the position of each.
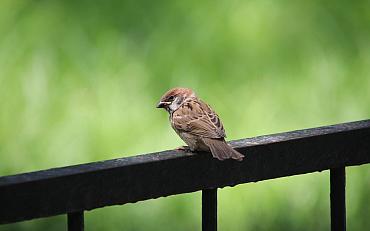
(74, 189)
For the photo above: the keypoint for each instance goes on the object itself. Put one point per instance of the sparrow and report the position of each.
(197, 124)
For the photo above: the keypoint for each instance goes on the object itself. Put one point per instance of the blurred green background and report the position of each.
(79, 82)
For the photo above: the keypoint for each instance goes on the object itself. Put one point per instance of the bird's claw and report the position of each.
(183, 148)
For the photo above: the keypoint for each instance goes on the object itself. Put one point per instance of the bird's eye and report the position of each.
(170, 98)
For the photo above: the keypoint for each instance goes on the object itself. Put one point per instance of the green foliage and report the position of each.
(79, 82)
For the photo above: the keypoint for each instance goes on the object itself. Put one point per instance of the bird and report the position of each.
(197, 124)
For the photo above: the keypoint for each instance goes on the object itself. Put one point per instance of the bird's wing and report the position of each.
(198, 118)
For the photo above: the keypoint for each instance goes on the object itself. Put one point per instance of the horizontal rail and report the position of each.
(88, 186)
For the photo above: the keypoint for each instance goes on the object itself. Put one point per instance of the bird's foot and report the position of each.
(183, 148)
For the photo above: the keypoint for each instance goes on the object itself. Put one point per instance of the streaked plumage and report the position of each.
(197, 124)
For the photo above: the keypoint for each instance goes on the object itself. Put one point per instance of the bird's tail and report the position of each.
(221, 150)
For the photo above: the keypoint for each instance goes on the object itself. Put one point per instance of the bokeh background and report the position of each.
(79, 81)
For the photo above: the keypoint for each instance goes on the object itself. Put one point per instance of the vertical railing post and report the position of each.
(209, 210)
(76, 221)
(338, 199)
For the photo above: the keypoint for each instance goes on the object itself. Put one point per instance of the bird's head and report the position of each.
(173, 98)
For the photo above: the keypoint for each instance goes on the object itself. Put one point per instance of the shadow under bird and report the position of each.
(197, 124)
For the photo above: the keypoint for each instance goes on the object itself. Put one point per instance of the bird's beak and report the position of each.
(163, 104)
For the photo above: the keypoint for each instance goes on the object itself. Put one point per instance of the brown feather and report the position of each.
(198, 121)
(221, 150)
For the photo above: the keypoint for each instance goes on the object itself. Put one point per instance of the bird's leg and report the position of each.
(183, 148)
